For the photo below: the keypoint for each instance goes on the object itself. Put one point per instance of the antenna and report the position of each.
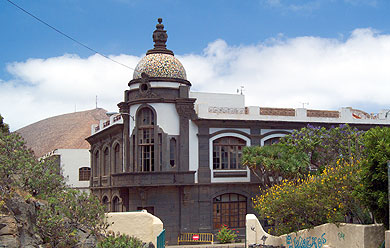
(96, 101)
(240, 90)
(304, 103)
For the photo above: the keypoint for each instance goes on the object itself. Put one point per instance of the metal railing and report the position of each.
(196, 237)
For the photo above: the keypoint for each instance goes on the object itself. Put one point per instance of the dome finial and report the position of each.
(160, 37)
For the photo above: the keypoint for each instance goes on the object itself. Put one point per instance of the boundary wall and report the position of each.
(326, 235)
(139, 224)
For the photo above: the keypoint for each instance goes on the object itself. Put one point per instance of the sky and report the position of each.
(327, 54)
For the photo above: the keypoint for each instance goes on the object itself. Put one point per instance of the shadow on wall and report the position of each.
(139, 224)
(326, 235)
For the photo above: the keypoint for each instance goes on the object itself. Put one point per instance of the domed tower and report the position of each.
(157, 111)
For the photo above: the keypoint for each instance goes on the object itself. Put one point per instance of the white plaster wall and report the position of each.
(245, 130)
(194, 149)
(167, 117)
(141, 224)
(265, 131)
(219, 99)
(229, 179)
(71, 161)
(133, 110)
(235, 101)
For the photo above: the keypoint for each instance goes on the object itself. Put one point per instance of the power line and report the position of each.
(67, 36)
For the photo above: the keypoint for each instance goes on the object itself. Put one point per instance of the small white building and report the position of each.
(74, 165)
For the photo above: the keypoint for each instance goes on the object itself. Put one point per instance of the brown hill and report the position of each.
(66, 131)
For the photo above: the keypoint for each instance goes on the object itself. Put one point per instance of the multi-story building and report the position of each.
(177, 153)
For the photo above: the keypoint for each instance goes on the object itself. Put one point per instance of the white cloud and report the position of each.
(45, 87)
(281, 72)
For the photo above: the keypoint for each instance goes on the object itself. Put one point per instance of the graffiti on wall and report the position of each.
(308, 242)
(341, 235)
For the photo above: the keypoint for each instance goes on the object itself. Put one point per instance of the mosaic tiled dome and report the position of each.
(160, 65)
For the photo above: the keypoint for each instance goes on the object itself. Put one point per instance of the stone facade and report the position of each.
(176, 153)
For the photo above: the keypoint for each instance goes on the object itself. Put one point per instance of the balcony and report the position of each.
(158, 178)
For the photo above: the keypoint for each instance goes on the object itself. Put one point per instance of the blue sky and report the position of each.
(231, 43)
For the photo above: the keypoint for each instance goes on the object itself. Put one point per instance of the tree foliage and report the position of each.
(373, 190)
(314, 172)
(314, 200)
(308, 149)
(3, 126)
(20, 169)
(272, 163)
(65, 211)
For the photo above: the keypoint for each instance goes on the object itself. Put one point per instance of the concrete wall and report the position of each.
(138, 224)
(327, 235)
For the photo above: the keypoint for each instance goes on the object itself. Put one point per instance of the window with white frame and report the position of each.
(271, 141)
(146, 122)
(227, 153)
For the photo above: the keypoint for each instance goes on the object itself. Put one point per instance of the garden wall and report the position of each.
(327, 235)
(140, 224)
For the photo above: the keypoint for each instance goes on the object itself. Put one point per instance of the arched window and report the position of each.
(116, 205)
(227, 153)
(146, 122)
(272, 141)
(106, 161)
(230, 210)
(117, 160)
(84, 173)
(172, 152)
(106, 204)
(96, 164)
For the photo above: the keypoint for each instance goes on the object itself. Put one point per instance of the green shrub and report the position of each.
(226, 235)
(120, 241)
(69, 211)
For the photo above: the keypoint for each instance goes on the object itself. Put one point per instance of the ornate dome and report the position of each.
(160, 62)
(160, 65)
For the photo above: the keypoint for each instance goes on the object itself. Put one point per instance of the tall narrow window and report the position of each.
(146, 124)
(160, 149)
(96, 163)
(172, 152)
(227, 153)
(106, 204)
(106, 162)
(117, 160)
(116, 205)
(230, 210)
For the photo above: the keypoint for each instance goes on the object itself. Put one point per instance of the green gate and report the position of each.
(161, 239)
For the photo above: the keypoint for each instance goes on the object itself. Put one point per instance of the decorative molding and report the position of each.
(226, 110)
(277, 111)
(323, 113)
(160, 79)
(186, 110)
